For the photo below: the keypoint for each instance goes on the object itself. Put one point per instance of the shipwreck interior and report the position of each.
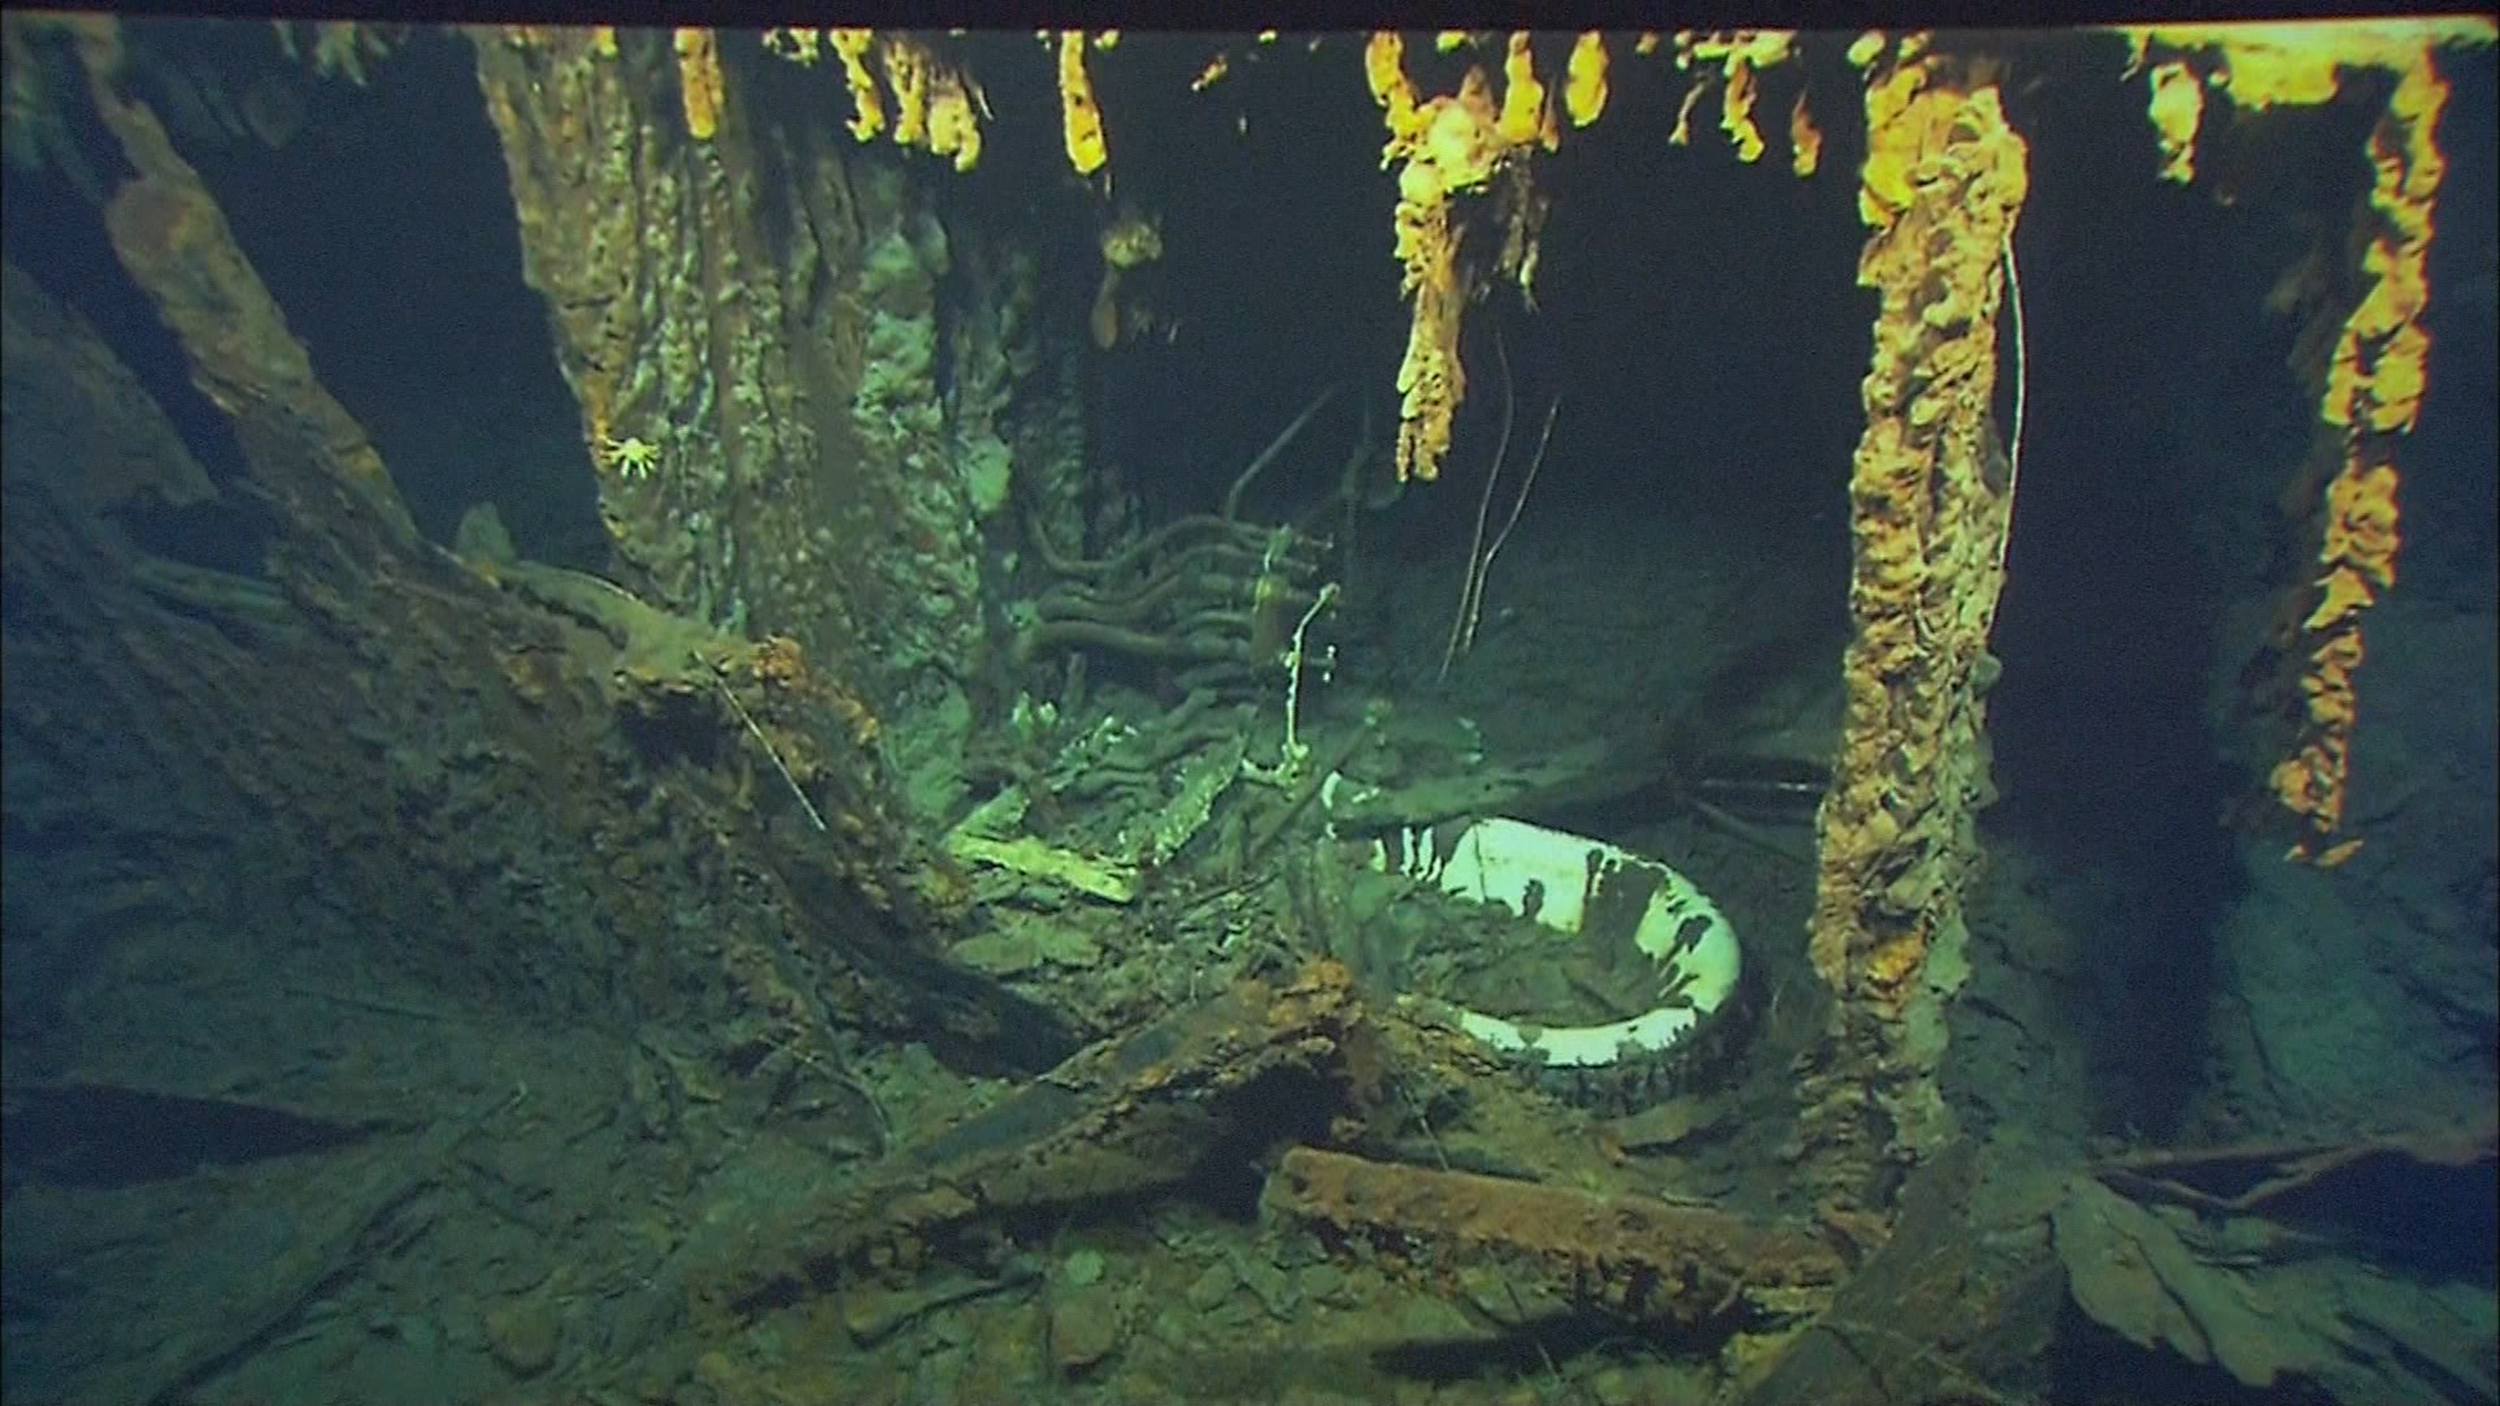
(836, 715)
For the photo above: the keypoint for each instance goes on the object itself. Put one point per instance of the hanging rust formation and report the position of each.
(937, 105)
(1080, 118)
(2364, 356)
(2372, 398)
(1930, 492)
(1445, 147)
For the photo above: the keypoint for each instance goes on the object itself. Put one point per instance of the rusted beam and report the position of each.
(1931, 490)
(1649, 1260)
(1254, 1063)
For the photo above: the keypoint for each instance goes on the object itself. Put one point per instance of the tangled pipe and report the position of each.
(1202, 589)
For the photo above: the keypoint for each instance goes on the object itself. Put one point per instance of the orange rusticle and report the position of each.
(1943, 183)
(2375, 380)
(699, 81)
(2361, 522)
(2177, 110)
(2374, 392)
(1740, 53)
(1431, 381)
(2375, 376)
(1805, 140)
(1584, 79)
(1080, 119)
(1445, 147)
(1898, 129)
(906, 67)
(2358, 548)
(933, 99)
(1384, 67)
(2326, 689)
(2256, 65)
(2342, 594)
(954, 132)
(867, 111)
(1526, 115)
(2311, 782)
(1736, 113)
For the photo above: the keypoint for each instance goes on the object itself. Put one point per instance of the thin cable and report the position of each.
(1470, 591)
(1484, 568)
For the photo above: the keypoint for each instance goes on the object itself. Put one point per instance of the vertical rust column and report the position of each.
(641, 188)
(600, 215)
(1930, 492)
(2374, 380)
(749, 318)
